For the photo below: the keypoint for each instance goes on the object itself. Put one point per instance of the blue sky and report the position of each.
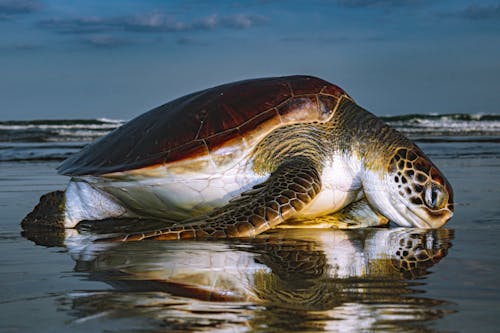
(117, 59)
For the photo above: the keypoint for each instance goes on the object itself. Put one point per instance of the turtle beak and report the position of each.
(438, 218)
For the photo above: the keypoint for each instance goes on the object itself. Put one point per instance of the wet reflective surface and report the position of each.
(285, 280)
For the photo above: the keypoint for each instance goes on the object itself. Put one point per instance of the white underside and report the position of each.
(340, 186)
(157, 193)
(85, 202)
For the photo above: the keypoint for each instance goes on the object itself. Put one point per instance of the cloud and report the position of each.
(105, 41)
(15, 7)
(152, 22)
(380, 3)
(242, 21)
(478, 12)
(75, 26)
(11, 8)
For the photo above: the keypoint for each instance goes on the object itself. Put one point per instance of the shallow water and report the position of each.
(319, 280)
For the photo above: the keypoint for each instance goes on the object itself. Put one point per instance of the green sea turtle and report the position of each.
(241, 158)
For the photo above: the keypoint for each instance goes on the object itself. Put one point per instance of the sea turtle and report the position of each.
(241, 158)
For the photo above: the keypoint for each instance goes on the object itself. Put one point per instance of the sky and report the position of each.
(76, 59)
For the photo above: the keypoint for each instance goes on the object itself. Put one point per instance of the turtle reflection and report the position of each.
(287, 279)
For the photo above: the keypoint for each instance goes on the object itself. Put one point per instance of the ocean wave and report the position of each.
(440, 125)
(112, 121)
(443, 117)
(62, 121)
(61, 130)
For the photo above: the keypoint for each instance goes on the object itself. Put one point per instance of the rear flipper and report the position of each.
(358, 214)
(48, 213)
(65, 209)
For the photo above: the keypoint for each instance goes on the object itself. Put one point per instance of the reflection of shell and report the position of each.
(353, 277)
(305, 260)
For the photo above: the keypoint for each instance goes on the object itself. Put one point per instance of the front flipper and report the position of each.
(358, 214)
(287, 190)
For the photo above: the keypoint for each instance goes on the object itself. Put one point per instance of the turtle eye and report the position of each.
(433, 196)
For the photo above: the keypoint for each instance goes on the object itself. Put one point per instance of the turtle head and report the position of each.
(413, 193)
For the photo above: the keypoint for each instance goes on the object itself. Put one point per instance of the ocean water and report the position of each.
(387, 280)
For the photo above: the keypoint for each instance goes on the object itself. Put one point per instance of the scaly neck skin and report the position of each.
(301, 140)
(366, 137)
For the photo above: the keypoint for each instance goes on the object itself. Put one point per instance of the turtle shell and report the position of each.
(200, 122)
